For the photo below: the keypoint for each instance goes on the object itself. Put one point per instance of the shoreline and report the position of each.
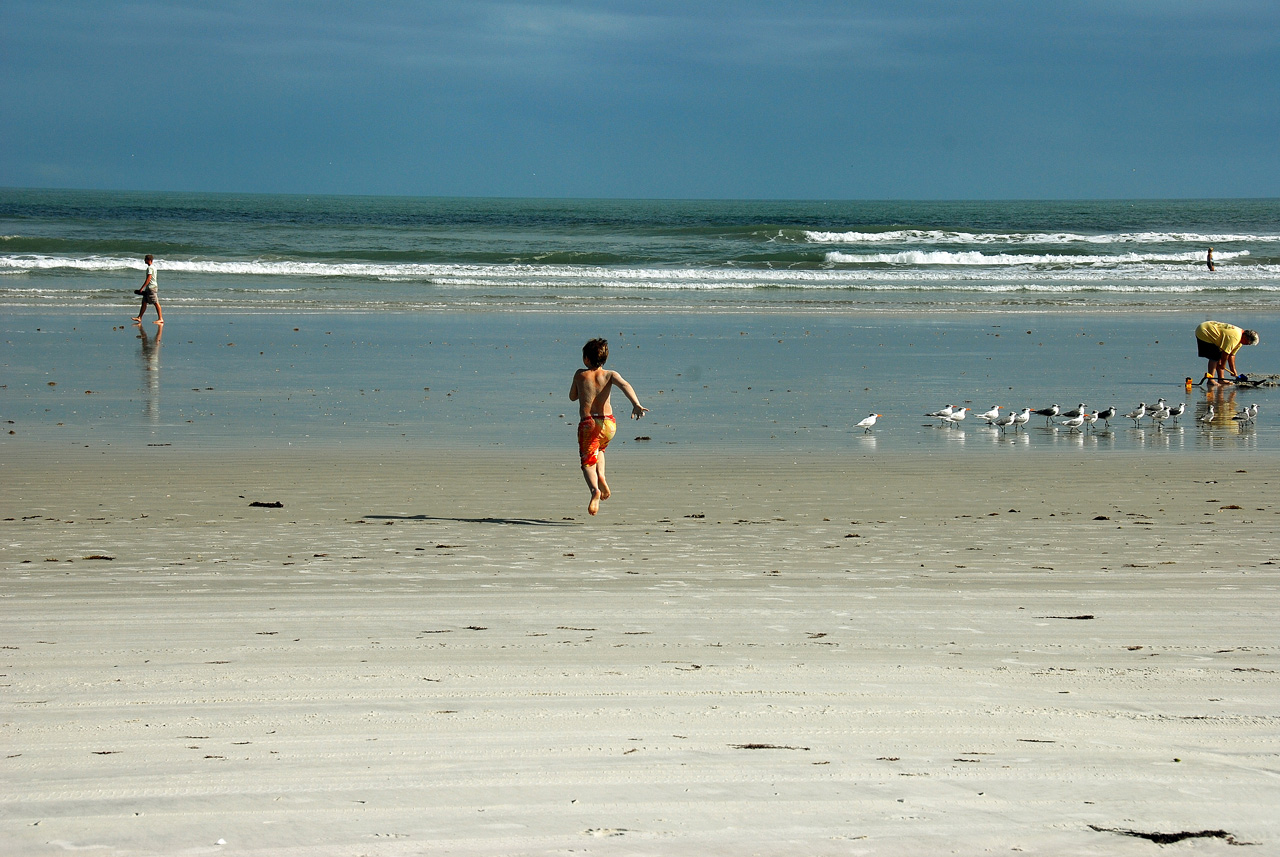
(1221, 305)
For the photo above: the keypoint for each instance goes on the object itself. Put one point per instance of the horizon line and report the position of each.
(350, 195)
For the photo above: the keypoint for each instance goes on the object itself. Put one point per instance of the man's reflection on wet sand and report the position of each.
(151, 374)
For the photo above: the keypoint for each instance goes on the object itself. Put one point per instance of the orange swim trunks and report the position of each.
(594, 434)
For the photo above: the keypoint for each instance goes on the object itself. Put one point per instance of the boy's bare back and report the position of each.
(591, 389)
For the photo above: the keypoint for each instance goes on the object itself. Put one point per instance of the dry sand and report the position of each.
(740, 655)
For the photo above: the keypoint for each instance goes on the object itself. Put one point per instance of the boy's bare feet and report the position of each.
(138, 319)
(161, 321)
(605, 493)
(594, 505)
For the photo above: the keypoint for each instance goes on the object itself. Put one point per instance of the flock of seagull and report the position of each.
(1077, 419)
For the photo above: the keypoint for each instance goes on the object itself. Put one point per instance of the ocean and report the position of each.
(290, 253)
(761, 325)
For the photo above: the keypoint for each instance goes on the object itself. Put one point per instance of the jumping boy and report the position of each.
(148, 292)
(596, 425)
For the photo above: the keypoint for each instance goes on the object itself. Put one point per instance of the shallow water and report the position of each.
(794, 383)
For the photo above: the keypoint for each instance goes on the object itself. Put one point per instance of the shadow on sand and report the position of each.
(519, 522)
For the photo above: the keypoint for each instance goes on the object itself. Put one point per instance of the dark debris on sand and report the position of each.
(1171, 838)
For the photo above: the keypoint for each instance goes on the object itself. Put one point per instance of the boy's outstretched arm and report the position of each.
(637, 410)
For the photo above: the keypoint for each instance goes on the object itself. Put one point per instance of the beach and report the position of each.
(309, 571)
(827, 654)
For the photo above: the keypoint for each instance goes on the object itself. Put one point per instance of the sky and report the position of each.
(852, 99)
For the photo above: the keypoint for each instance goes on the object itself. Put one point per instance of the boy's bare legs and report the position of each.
(589, 474)
(159, 314)
(594, 474)
(141, 312)
(604, 486)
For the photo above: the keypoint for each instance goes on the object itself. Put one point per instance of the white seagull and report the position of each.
(1073, 423)
(1138, 412)
(956, 416)
(1158, 417)
(1090, 419)
(1207, 418)
(1021, 418)
(991, 415)
(867, 423)
(1048, 413)
(1177, 410)
(1004, 421)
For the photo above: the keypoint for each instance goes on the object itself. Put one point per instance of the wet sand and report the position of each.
(753, 384)
(763, 654)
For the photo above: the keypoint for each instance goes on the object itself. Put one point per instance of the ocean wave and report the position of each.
(513, 277)
(605, 285)
(975, 257)
(971, 288)
(914, 262)
(938, 236)
(256, 267)
(856, 270)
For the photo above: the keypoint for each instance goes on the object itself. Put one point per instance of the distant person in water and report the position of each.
(1209, 259)
(1218, 343)
(596, 426)
(148, 292)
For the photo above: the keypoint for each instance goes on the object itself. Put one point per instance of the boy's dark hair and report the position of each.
(596, 352)
(148, 259)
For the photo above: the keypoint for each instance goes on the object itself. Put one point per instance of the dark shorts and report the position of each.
(1208, 350)
(149, 297)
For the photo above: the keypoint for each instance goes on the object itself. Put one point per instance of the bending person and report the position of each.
(1218, 343)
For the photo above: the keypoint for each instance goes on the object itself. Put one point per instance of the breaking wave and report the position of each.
(936, 236)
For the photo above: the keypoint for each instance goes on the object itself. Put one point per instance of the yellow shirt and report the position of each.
(1225, 336)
